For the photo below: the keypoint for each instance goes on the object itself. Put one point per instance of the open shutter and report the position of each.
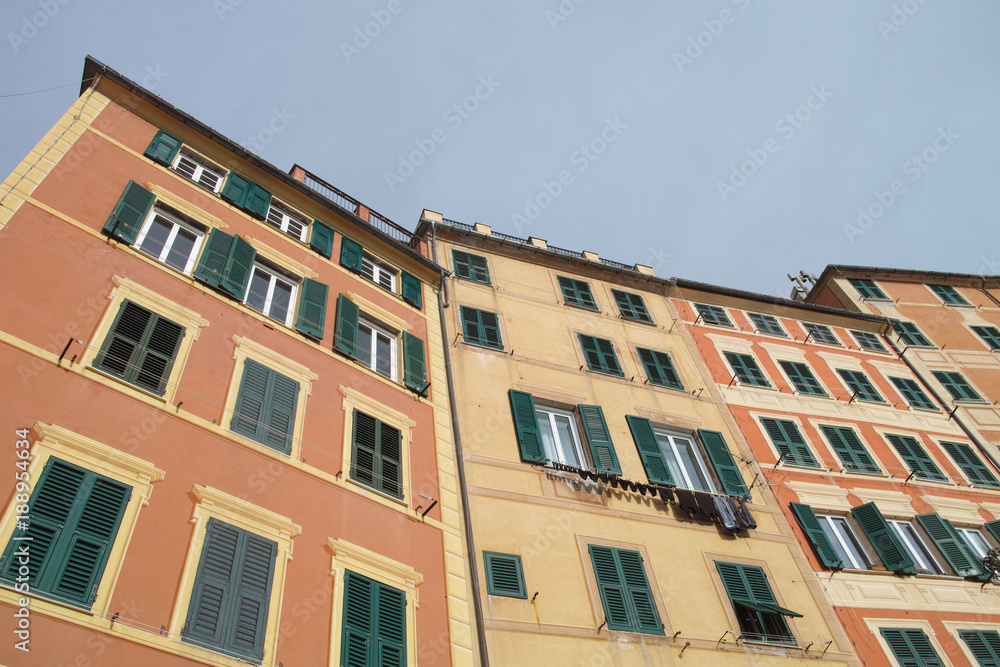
(602, 450)
(258, 201)
(590, 352)
(129, 213)
(312, 308)
(412, 291)
(390, 647)
(950, 544)
(390, 460)
(638, 591)
(211, 598)
(365, 449)
(358, 646)
(248, 619)
(163, 148)
(279, 422)
(789, 441)
(984, 645)
(652, 456)
(612, 589)
(239, 266)
(994, 528)
(350, 254)
(820, 542)
(345, 336)
(725, 464)
(236, 190)
(213, 259)
(321, 239)
(414, 364)
(892, 553)
(251, 402)
(529, 437)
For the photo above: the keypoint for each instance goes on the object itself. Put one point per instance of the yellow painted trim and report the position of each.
(378, 313)
(910, 623)
(187, 208)
(356, 400)
(280, 258)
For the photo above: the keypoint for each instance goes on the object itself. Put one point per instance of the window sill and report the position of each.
(380, 494)
(482, 345)
(914, 408)
(969, 401)
(620, 376)
(592, 309)
(648, 323)
(139, 390)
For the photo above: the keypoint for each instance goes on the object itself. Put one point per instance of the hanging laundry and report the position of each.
(687, 501)
(726, 508)
(743, 515)
(706, 504)
(666, 493)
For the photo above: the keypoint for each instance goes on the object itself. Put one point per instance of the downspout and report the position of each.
(484, 657)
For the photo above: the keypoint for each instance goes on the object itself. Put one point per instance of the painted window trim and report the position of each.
(202, 161)
(764, 317)
(287, 211)
(876, 624)
(157, 210)
(275, 276)
(823, 393)
(282, 261)
(489, 557)
(837, 343)
(170, 200)
(125, 289)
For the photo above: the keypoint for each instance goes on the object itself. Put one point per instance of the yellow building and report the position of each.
(617, 517)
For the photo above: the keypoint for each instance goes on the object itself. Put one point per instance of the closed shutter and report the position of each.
(258, 201)
(747, 585)
(390, 460)
(412, 290)
(916, 457)
(414, 365)
(950, 544)
(350, 254)
(631, 306)
(235, 190)
(374, 631)
(481, 327)
(802, 378)
(471, 267)
(638, 592)
(789, 441)
(140, 348)
(984, 645)
(460, 264)
(364, 450)
(312, 308)
(911, 647)
(212, 263)
(612, 589)
(652, 456)
(529, 437)
(239, 266)
(321, 239)
(913, 394)
(265, 406)
(600, 355)
(280, 413)
(602, 450)
(819, 540)
(163, 148)
(345, 337)
(971, 465)
(725, 465)
(888, 548)
(625, 593)
(377, 455)
(852, 452)
(129, 213)
(746, 369)
(504, 575)
(659, 369)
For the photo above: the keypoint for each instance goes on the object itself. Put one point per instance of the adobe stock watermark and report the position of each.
(276, 125)
(31, 24)
(364, 34)
(223, 7)
(581, 158)
(704, 39)
(901, 13)
(915, 167)
(657, 258)
(455, 116)
(564, 10)
(787, 125)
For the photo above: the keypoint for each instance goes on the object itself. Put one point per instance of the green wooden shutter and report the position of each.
(746, 369)
(504, 575)
(984, 645)
(789, 441)
(911, 647)
(365, 449)
(251, 401)
(129, 213)
(390, 460)
(747, 585)
(212, 262)
(279, 422)
(345, 337)
(312, 308)
(529, 436)
(479, 269)
(350, 254)
(612, 589)
(359, 621)
(490, 328)
(650, 452)
(460, 264)
(321, 239)
(892, 553)
(971, 465)
(725, 464)
(211, 596)
(913, 394)
(258, 201)
(390, 644)
(157, 357)
(994, 528)
(608, 356)
(140, 348)
(252, 597)
(265, 407)
(802, 378)
(236, 190)
(638, 592)
(239, 266)
(820, 542)
(659, 369)
(412, 290)
(590, 352)
(414, 364)
(950, 544)
(163, 148)
(916, 457)
(852, 452)
(602, 449)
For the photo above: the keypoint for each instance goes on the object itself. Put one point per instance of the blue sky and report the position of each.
(727, 141)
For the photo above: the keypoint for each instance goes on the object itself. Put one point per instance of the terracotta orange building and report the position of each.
(228, 427)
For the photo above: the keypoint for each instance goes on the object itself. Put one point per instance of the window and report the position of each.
(975, 541)
(232, 592)
(760, 617)
(632, 306)
(470, 267)
(950, 545)
(374, 623)
(713, 315)
(171, 240)
(140, 348)
(199, 170)
(75, 515)
(767, 324)
(916, 457)
(820, 333)
(163, 148)
(600, 355)
(990, 336)
(282, 217)
(560, 439)
(626, 596)
(577, 293)
(868, 341)
(379, 273)
(376, 348)
(849, 448)
(659, 369)
(684, 461)
(504, 575)
(914, 545)
(789, 442)
(973, 467)
(353, 256)
(746, 369)
(911, 647)
(883, 539)
(860, 386)
(913, 394)
(949, 295)
(481, 327)
(910, 335)
(246, 195)
(957, 386)
(867, 288)
(984, 645)
(271, 293)
(802, 378)
(376, 455)
(838, 530)
(266, 407)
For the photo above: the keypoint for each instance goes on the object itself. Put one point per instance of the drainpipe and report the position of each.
(484, 656)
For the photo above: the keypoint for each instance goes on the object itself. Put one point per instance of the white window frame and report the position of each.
(201, 167)
(668, 445)
(275, 276)
(378, 269)
(916, 548)
(832, 525)
(177, 224)
(969, 542)
(371, 354)
(550, 414)
(285, 217)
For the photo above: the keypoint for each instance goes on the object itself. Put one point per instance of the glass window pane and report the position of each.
(847, 544)
(565, 441)
(548, 439)
(975, 540)
(156, 237)
(383, 355)
(180, 251)
(908, 535)
(257, 294)
(281, 300)
(688, 458)
(364, 345)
